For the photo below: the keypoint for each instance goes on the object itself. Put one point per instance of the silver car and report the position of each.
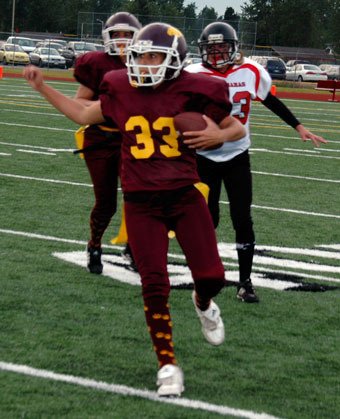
(332, 71)
(305, 72)
(47, 57)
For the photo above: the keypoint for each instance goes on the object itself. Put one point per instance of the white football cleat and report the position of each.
(212, 324)
(170, 381)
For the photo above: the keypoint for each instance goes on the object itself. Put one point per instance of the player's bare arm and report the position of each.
(77, 112)
(229, 129)
(84, 95)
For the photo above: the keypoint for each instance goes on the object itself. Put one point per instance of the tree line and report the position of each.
(296, 23)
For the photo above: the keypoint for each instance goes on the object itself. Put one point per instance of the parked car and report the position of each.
(75, 48)
(47, 57)
(58, 41)
(332, 71)
(27, 44)
(99, 47)
(274, 65)
(192, 58)
(306, 72)
(50, 44)
(290, 63)
(13, 54)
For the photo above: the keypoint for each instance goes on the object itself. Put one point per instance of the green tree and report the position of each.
(332, 30)
(190, 29)
(259, 11)
(298, 23)
(230, 15)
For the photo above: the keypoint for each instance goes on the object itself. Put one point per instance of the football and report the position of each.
(189, 121)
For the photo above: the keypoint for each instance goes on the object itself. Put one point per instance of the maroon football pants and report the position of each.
(103, 166)
(150, 216)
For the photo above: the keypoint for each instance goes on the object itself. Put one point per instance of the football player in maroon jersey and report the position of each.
(158, 174)
(247, 81)
(102, 143)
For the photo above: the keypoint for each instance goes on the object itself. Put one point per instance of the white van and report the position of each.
(27, 44)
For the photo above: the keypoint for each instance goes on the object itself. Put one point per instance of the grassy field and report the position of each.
(75, 345)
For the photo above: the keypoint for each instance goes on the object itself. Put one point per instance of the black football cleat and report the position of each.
(94, 262)
(246, 292)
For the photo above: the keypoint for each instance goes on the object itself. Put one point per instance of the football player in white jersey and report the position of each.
(230, 164)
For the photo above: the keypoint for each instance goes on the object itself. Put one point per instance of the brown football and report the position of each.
(189, 121)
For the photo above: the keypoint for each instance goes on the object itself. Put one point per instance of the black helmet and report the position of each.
(156, 37)
(221, 34)
(119, 22)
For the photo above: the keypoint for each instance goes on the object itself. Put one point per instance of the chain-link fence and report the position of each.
(90, 25)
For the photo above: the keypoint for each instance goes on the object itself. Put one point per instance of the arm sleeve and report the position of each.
(280, 109)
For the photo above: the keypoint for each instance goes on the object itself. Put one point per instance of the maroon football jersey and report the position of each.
(89, 71)
(91, 67)
(154, 156)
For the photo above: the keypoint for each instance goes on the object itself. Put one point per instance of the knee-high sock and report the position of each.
(159, 324)
(245, 252)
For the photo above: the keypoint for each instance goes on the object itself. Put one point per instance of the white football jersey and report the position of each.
(246, 82)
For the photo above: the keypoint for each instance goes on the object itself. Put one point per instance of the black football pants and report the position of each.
(236, 177)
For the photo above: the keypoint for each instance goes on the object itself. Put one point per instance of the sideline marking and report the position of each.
(130, 391)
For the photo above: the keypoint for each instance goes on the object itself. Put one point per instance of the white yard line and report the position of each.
(296, 177)
(64, 182)
(130, 391)
(320, 149)
(37, 127)
(297, 153)
(36, 152)
(59, 115)
(314, 214)
(263, 135)
(70, 150)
